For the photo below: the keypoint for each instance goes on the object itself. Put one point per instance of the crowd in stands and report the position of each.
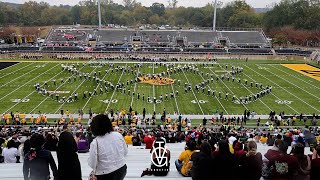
(223, 152)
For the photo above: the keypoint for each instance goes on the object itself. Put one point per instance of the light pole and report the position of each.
(216, 3)
(99, 14)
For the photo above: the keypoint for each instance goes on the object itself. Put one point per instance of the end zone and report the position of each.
(305, 69)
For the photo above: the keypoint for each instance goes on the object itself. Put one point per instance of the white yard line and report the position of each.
(27, 82)
(193, 93)
(175, 99)
(229, 89)
(15, 70)
(154, 104)
(294, 85)
(295, 76)
(20, 76)
(134, 89)
(48, 96)
(31, 93)
(75, 90)
(285, 90)
(106, 111)
(85, 105)
(274, 96)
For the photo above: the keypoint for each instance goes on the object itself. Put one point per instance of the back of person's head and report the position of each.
(67, 143)
(224, 147)
(36, 141)
(283, 147)
(206, 148)
(298, 151)
(78, 134)
(277, 142)
(279, 136)
(101, 125)
(191, 145)
(11, 144)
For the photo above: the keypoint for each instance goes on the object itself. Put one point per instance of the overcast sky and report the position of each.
(195, 3)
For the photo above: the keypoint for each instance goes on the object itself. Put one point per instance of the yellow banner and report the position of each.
(305, 69)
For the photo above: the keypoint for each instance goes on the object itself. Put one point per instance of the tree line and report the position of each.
(298, 15)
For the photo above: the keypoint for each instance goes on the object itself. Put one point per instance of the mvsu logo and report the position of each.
(158, 155)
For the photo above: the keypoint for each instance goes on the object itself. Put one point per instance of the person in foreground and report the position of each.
(159, 167)
(107, 151)
(182, 163)
(68, 161)
(36, 162)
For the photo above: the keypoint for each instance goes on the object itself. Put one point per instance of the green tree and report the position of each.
(157, 8)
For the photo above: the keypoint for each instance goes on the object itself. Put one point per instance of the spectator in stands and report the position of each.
(107, 151)
(239, 153)
(250, 167)
(263, 139)
(182, 163)
(37, 161)
(136, 139)
(148, 140)
(51, 142)
(68, 161)
(270, 140)
(83, 144)
(159, 167)
(202, 164)
(11, 153)
(284, 165)
(304, 161)
(128, 138)
(224, 162)
(315, 164)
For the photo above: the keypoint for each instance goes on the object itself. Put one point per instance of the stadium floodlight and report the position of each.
(99, 13)
(216, 4)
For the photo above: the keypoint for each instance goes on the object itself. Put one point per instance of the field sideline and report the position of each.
(292, 92)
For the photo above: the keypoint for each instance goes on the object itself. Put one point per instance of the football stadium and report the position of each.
(137, 99)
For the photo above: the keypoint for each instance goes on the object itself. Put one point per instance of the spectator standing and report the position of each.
(11, 153)
(68, 161)
(108, 150)
(37, 161)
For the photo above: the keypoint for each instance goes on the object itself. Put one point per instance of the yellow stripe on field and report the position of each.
(305, 69)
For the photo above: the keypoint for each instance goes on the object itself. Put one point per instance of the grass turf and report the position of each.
(299, 91)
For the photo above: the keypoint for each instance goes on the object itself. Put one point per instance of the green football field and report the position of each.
(292, 92)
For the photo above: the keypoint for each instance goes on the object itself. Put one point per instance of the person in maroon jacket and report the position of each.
(284, 166)
(148, 140)
(315, 164)
(251, 165)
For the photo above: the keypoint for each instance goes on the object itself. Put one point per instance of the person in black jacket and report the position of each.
(37, 160)
(202, 163)
(68, 161)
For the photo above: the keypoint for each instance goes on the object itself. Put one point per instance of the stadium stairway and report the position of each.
(137, 159)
